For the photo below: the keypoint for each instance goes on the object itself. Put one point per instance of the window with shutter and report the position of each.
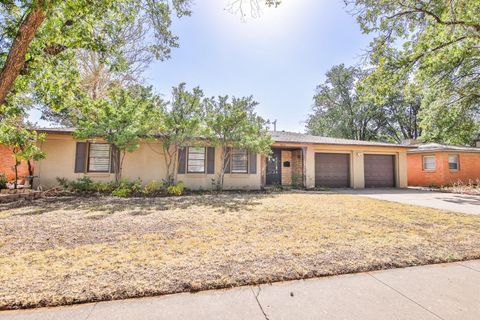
(239, 161)
(196, 160)
(99, 157)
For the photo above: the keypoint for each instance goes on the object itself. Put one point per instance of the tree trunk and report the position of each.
(16, 57)
(16, 174)
(30, 168)
(30, 173)
(118, 174)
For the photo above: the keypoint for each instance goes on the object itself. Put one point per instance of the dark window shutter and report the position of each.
(182, 160)
(115, 163)
(227, 160)
(210, 160)
(80, 157)
(252, 163)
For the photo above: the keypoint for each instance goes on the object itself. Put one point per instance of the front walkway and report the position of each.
(461, 203)
(445, 291)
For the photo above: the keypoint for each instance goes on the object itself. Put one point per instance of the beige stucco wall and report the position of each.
(146, 163)
(232, 181)
(356, 161)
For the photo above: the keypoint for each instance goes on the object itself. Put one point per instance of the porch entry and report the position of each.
(285, 167)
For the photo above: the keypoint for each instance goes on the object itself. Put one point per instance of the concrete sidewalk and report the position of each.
(445, 291)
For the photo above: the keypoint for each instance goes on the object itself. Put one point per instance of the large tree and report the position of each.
(43, 36)
(183, 120)
(99, 72)
(233, 123)
(436, 43)
(123, 119)
(338, 111)
(399, 107)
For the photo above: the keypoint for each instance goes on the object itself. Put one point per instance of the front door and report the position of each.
(274, 168)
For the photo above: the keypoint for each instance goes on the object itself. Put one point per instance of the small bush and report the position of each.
(82, 184)
(122, 192)
(3, 181)
(63, 182)
(103, 187)
(176, 190)
(126, 188)
(153, 187)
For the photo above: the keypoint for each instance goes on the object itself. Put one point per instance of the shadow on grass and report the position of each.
(98, 207)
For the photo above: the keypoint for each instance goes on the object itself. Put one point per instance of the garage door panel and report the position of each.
(379, 171)
(332, 170)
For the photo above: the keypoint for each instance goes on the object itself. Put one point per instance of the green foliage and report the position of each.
(3, 181)
(437, 45)
(183, 119)
(126, 188)
(128, 116)
(338, 110)
(82, 184)
(50, 75)
(103, 187)
(121, 191)
(347, 105)
(233, 123)
(176, 189)
(153, 187)
(22, 142)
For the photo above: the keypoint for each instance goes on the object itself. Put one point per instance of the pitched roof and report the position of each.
(432, 147)
(294, 137)
(281, 136)
(55, 130)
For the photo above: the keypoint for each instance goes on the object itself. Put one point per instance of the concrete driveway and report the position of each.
(438, 200)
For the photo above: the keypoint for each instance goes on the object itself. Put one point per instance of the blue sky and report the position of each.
(279, 58)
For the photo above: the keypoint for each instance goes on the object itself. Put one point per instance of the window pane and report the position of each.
(196, 159)
(429, 163)
(239, 161)
(453, 162)
(99, 157)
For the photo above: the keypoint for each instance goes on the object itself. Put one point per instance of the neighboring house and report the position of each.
(296, 159)
(437, 164)
(7, 164)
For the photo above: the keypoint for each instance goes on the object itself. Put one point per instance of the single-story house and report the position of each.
(7, 164)
(436, 164)
(296, 159)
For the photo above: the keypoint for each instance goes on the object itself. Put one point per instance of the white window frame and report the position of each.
(204, 159)
(434, 163)
(239, 152)
(89, 162)
(457, 162)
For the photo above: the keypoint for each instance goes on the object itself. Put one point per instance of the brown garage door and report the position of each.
(332, 170)
(379, 171)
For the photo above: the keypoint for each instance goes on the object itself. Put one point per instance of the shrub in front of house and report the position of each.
(125, 188)
(176, 189)
(154, 188)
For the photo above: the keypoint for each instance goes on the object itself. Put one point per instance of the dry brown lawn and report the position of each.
(70, 250)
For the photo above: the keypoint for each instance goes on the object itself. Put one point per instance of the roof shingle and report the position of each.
(294, 137)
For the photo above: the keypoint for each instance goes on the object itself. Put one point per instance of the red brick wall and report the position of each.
(7, 163)
(469, 169)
